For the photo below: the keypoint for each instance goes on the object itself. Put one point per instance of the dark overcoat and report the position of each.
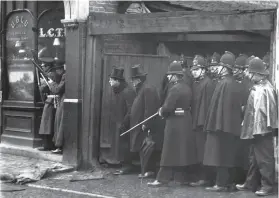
(48, 116)
(223, 124)
(202, 94)
(145, 104)
(59, 89)
(179, 147)
(122, 100)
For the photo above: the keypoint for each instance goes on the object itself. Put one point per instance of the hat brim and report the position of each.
(226, 65)
(139, 75)
(197, 67)
(265, 72)
(239, 67)
(116, 77)
(174, 72)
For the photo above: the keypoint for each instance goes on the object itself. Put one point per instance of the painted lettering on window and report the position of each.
(19, 22)
(51, 32)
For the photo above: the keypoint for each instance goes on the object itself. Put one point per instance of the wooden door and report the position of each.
(155, 66)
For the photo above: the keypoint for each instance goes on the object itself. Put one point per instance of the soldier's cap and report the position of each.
(58, 64)
(47, 60)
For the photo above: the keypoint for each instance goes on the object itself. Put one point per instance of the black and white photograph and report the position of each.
(139, 99)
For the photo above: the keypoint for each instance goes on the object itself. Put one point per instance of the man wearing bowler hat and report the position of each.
(179, 150)
(145, 104)
(260, 122)
(122, 99)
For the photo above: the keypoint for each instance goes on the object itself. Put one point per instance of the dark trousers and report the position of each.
(47, 141)
(206, 173)
(262, 163)
(179, 174)
(224, 176)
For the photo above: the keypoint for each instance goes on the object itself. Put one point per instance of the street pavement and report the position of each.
(124, 186)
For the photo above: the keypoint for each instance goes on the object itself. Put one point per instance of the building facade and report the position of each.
(101, 34)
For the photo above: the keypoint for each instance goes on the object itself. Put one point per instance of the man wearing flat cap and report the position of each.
(145, 104)
(223, 125)
(179, 150)
(121, 101)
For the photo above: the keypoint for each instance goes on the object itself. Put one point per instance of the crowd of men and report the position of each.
(215, 125)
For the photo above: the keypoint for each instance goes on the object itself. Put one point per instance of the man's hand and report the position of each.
(50, 81)
(160, 112)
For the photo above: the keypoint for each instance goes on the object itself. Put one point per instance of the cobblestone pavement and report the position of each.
(126, 186)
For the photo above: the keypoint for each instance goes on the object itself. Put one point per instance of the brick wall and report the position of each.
(103, 6)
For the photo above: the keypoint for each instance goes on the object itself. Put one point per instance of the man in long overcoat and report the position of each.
(212, 67)
(223, 125)
(260, 122)
(58, 89)
(179, 150)
(47, 121)
(202, 89)
(242, 157)
(122, 99)
(145, 104)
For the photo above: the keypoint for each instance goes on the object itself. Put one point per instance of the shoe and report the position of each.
(217, 189)
(43, 149)
(199, 183)
(156, 183)
(57, 151)
(123, 171)
(242, 187)
(263, 192)
(146, 175)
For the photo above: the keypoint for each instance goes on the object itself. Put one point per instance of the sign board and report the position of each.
(20, 40)
(51, 35)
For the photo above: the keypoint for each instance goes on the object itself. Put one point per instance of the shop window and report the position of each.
(51, 36)
(19, 42)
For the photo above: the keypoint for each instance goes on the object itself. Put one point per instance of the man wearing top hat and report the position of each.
(179, 146)
(57, 88)
(260, 122)
(47, 121)
(223, 125)
(145, 104)
(202, 89)
(122, 99)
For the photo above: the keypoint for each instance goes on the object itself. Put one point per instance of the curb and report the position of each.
(29, 152)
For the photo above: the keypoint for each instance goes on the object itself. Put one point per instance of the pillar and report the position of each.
(76, 13)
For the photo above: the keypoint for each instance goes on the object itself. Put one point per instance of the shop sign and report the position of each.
(19, 42)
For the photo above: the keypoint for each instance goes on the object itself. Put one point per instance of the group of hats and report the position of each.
(255, 64)
(228, 60)
(118, 72)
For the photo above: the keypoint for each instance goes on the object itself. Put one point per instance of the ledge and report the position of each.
(29, 152)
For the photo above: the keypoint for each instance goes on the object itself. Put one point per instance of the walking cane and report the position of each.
(139, 123)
